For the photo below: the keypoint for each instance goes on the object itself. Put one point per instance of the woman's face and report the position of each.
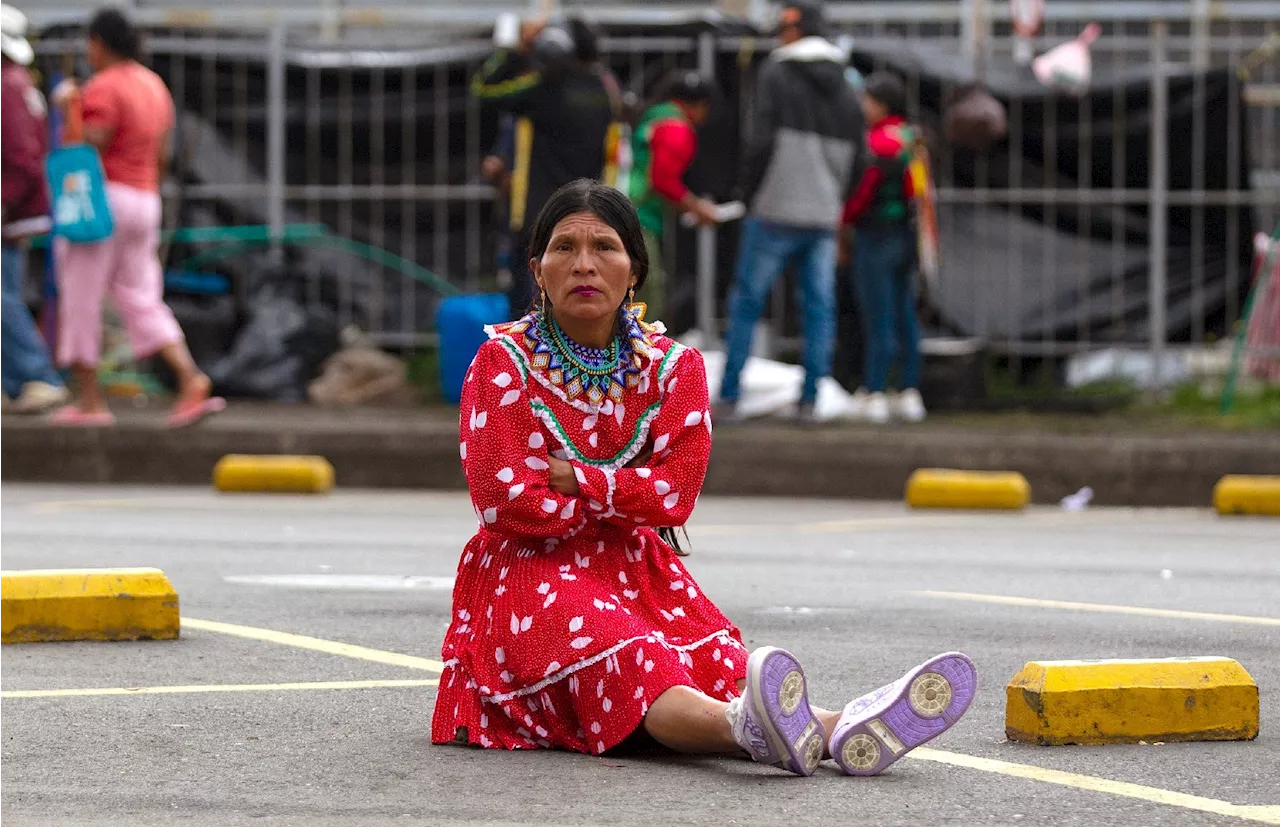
(873, 110)
(585, 270)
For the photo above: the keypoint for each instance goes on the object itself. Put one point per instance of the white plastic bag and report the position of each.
(1068, 67)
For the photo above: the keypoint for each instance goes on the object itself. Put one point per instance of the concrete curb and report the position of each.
(395, 450)
(1235, 494)
(278, 473)
(88, 604)
(944, 488)
(1131, 701)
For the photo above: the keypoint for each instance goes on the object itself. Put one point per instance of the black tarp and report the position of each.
(1066, 272)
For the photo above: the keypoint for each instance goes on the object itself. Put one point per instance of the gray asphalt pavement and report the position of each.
(838, 583)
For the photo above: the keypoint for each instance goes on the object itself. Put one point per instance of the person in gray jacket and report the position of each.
(798, 171)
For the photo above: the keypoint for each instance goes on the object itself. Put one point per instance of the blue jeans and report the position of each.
(23, 355)
(884, 270)
(764, 251)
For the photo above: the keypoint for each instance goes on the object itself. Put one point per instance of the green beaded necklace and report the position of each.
(565, 346)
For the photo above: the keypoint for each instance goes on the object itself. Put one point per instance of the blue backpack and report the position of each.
(79, 188)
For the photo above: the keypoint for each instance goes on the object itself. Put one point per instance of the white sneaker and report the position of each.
(772, 720)
(876, 410)
(38, 397)
(858, 405)
(882, 726)
(909, 406)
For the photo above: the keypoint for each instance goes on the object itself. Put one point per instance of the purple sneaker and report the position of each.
(882, 726)
(772, 720)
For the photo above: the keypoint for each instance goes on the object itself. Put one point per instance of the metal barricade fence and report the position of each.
(276, 129)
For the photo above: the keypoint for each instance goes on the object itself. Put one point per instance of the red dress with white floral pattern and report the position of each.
(570, 615)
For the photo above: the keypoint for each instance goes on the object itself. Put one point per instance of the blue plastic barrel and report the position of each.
(460, 322)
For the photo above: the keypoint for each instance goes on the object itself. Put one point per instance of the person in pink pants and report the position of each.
(127, 115)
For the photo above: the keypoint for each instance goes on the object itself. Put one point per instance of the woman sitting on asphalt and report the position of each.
(585, 436)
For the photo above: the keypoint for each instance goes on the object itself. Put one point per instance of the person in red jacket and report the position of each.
(663, 145)
(27, 371)
(884, 256)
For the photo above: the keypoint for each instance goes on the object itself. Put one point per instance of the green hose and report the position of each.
(307, 234)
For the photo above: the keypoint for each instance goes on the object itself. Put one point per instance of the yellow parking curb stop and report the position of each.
(276, 474)
(1127, 701)
(943, 488)
(88, 604)
(1240, 494)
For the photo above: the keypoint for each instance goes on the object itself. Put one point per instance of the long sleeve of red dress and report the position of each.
(504, 454)
(663, 491)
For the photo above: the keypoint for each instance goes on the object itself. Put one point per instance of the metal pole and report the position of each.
(275, 138)
(1200, 20)
(975, 22)
(706, 294)
(330, 28)
(1159, 185)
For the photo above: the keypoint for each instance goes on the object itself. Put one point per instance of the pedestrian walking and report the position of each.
(664, 143)
(797, 172)
(585, 434)
(884, 257)
(127, 115)
(31, 385)
(565, 105)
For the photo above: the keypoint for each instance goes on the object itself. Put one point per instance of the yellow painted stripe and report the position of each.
(56, 506)
(315, 644)
(1105, 608)
(1268, 814)
(225, 687)
(840, 526)
(506, 88)
(520, 174)
(1093, 519)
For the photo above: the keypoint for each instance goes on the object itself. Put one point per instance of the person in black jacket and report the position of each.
(565, 104)
(798, 169)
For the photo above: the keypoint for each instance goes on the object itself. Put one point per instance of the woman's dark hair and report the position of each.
(685, 85)
(614, 209)
(889, 90)
(114, 30)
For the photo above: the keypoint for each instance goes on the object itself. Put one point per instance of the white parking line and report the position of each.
(315, 644)
(1266, 814)
(1106, 608)
(225, 687)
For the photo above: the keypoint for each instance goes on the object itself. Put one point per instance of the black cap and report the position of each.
(552, 52)
(806, 15)
(686, 85)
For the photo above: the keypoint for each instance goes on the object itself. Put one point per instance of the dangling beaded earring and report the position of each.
(542, 306)
(635, 310)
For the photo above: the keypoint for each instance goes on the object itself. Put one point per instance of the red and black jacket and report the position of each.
(882, 197)
(24, 145)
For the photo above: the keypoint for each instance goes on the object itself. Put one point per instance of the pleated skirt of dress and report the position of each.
(568, 647)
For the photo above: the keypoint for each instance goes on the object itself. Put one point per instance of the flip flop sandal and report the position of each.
(70, 416)
(185, 414)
